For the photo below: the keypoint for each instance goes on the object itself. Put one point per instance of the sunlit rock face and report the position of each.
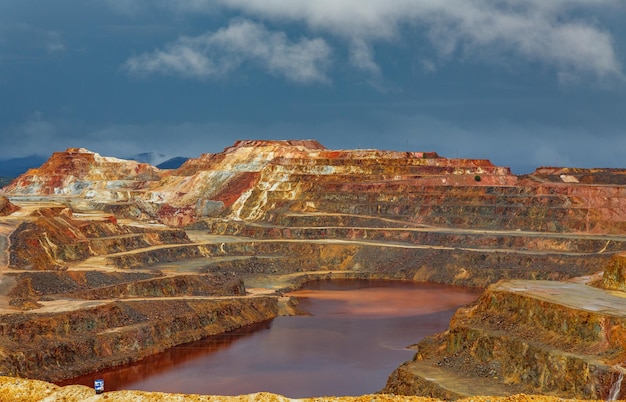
(67, 343)
(285, 181)
(211, 184)
(580, 175)
(276, 180)
(78, 171)
(6, 207)
(52, 237)
(250, 179)
(614, 275)
(461, 221)
(545, 337)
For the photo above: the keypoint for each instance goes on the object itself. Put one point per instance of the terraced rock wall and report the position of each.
(94, 285)
(55, 346)
(53, 238)
(614, 274)
(6, 207)
(78, 171)
(546, 337)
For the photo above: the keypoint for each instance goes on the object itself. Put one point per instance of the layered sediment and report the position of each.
(536, 337)
(21, 390)
(6, 207)
(78, 171)
(53, 238)
(58, 345)
(95, 236)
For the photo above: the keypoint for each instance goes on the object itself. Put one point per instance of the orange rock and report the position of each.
(6, 207)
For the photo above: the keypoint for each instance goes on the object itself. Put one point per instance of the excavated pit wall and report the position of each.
(454, 266)
(94, 285)
(309, 255)
(575, 330)
(565, 339)
(614, 277)
(56, 346)
(52, 238)
(421, 263)
(476, 269)
(6, 207)
(555, 242)
(182, 285)
(4, 255)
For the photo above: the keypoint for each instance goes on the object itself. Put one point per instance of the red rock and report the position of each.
(254, 178)
(6, 207)
(78, 171)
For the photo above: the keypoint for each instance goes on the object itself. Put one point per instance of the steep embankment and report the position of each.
(20, 390)
(547, 337)
(54, 345)
(78, 171)
(6, 207)
(52, 237)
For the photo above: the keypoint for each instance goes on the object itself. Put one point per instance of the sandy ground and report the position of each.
(22, 390)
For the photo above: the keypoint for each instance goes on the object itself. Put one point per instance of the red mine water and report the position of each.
(355, 337)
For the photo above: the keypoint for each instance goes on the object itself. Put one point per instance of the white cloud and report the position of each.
(538, 31)
(54, 43)
(362, 56)
(21, 41)
(215, 54)
(566, 35)
(570, 47)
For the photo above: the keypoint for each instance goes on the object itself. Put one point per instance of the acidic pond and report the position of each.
(357, 333)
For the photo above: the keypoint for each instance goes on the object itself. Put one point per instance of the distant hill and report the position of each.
(4, 181)
(16, 166)
(151, 158)
(161, 161)
(173, 163)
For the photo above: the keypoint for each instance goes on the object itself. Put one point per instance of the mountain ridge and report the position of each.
(10, 168)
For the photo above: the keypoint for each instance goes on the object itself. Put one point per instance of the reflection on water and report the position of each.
(355, 337)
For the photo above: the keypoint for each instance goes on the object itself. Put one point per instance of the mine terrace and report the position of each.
(105, 261)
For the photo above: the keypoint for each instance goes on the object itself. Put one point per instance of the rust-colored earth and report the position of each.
(104, 261)
(21, 390)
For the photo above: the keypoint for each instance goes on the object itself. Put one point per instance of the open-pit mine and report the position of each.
(106, 261)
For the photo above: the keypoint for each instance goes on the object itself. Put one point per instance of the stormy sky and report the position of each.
(522, 83)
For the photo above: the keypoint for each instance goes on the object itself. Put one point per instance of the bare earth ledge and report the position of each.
(23, 390)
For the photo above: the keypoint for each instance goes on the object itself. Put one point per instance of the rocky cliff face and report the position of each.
(22, 390)
(6, 207)
(53, 238)
(266, 180)
(78, 171)
(544, 337)
(58, 345)
(94, 230)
